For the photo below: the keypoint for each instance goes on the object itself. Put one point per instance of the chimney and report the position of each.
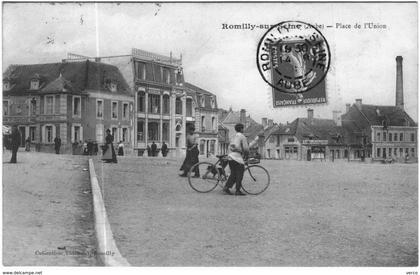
(243, 116)
(348, 107)
(264, 122)
(359, 103)
(310, 113)
(270, 123)
(399, 93)
(337, 118)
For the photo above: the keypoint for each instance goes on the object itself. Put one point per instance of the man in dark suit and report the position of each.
(15, 143)
(57, 144)
(154, 149)
(164, 149)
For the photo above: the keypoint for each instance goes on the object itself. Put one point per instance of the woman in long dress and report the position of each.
(192, 154)
(109, 152)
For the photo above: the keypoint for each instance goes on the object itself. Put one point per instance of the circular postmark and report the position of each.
(293, 57)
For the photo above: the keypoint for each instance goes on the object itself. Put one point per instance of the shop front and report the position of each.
(315, 149)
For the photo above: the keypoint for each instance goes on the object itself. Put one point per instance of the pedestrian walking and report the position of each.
(57, 144)
(109, 152)
(121, 148)
(28, 144)
(154, 149)
(164, 149)
(15, 143)
(191, 157)
(239, 150)
(149, 151)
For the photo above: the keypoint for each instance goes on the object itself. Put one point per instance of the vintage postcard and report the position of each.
(210, 134)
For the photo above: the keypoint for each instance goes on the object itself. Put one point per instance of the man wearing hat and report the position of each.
(239, 150)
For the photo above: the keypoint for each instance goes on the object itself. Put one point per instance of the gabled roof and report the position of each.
(197, 91)
(80, 76)
(317, 128)
(393, 115)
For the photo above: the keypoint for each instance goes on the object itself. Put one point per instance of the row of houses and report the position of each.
(363, 132)
(141, 97)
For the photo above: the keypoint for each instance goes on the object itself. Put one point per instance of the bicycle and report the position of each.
(256, 178)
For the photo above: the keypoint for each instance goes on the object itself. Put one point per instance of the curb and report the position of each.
(107, 249)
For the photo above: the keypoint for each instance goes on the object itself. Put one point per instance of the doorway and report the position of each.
(22, 131)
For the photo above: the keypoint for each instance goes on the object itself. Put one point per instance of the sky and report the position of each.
(223, 61)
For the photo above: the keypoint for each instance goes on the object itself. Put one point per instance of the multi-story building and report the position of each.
(206, 118)
(76, 101)
(165, 105)
(383, 132)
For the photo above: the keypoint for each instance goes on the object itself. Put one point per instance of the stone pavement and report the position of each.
(313, 214)
(47, 211)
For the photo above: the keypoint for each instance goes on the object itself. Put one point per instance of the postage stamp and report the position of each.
(293, 57)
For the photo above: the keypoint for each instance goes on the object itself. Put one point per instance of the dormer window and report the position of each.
(202, 101)
(6, 85)
(113, 87)
(34, 84)
(213, 103)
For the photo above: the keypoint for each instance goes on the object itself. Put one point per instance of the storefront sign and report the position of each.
(315, 142)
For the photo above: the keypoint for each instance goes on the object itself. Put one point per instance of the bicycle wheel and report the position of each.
(256, 180)
(207, 178)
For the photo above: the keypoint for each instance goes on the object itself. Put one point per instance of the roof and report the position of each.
(201, 92)
(317, 128)
(394, 116)
(74, 76)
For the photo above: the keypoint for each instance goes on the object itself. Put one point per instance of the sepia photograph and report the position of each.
(210, 134)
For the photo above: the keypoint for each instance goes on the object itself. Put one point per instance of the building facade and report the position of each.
(76, 101)
(164, 104)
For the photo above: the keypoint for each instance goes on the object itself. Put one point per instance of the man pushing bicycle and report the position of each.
(239, 152)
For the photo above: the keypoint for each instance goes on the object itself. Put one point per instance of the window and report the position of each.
(49, 105)
(384, 152)
(213, 123)
(34, 84)
(114, 109)
(114, 133)
(378, 152)
(32, 133)
(401, 136)
(125, 111)
(291, 139)
(189, 107)
(153, 131)
(140, 102)
(49, 134)
(166, 104)
(390, 137)
(212, 146)
(76, 106)
(6, 85)
(272, 140)
(113, 87)
(154, 104)
(413, 152)
(5, 107)
(76, 134)
(213, 103)
(124, 134)
(140, 130)
(202, 143)
(166, 75)
(99, 108)
(395, 137)
(413, 137)
(165, 131)
(203, 126)
(202, 100)
(99, 133)
(33, 106)
(141, 70)
(389, 152)
(178, 106)
(384, 134)
(395, 151)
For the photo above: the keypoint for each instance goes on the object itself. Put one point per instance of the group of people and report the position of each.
(152, 151)
(238, 153)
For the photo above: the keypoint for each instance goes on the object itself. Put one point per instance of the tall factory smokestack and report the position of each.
(399, 93)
